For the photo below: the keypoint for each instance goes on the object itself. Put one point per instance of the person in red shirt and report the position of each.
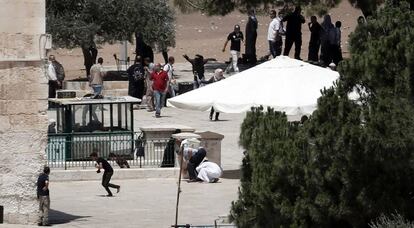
(159, 80)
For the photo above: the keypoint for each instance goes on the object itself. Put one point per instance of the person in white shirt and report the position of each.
(209, 172)
(97, 75)
(274, 34)
(171, 80)
(52, 76)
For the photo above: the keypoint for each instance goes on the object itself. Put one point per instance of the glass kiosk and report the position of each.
(86, 124)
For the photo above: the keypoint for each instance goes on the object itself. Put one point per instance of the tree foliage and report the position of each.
(74, 23)
(352, 161)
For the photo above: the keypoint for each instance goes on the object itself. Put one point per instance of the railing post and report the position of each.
(1, 214)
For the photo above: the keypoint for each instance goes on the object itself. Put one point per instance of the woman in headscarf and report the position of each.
(328, 30)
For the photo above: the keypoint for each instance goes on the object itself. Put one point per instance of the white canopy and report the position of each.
(285, 84)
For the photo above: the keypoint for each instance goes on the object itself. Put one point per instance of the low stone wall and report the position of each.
(57, 175)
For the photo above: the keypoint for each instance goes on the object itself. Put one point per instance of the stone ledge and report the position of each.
(57, 175)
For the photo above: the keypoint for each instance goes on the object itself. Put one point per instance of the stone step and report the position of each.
(59, 175)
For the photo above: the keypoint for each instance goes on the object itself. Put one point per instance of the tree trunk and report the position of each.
(165, 56)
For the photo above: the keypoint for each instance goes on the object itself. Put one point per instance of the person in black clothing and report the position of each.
(198, 67)
(122, 162)
(251, 36)
(315, 39)
(43, 197)
(168, 159)
(136, 78)
(336, 45)
(142, 49)
(293, 31)
(236, 38)
(108, 172)
(90, 53)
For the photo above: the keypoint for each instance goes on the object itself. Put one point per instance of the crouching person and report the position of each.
(194, 158)
(122, 162)
(209, 172)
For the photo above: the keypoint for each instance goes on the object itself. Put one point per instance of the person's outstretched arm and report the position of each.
(188, 59)
(225, 45)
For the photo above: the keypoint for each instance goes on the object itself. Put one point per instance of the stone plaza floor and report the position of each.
(141, 203)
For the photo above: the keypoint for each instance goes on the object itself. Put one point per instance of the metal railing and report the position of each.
(73, 150)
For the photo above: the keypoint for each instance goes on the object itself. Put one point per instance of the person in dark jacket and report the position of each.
(101, 163)
(315, 39)
(251, 37)
(198, 68)
(293, 31)
(327, 38)
(43, 197)
(136, 79)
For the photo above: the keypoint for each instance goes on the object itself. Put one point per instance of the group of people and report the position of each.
(152, 82)
(325, 36)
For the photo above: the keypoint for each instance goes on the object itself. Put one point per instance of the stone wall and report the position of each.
(23, 104)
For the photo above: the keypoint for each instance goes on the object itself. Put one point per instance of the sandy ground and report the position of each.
(200, 34)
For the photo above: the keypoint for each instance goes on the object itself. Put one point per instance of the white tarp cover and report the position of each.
(285, 84)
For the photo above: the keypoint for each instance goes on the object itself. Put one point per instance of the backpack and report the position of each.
(60, 71)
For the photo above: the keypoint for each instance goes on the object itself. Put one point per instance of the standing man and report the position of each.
(274, 35)
(159, 80)
(236, 38)
(149, 93)
(108, 172)
(251, 36)
(315, 39)
(169, 69)
(97, 75)
(293, 31)
(43, 197)
(336, 45)
(136, 79)
(52, 72)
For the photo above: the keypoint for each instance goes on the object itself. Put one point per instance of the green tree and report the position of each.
(352, 161)
(85, 23)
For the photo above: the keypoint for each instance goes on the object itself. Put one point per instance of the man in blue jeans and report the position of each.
(160, 83)
(96, 78)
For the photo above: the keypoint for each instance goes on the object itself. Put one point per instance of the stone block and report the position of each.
(4, 122)
(28, 122)
(25, 107)
(3, 107)
(212, 142)
(3, 92)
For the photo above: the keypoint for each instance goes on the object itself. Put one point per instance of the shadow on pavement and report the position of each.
(58, 217)
(232, 174)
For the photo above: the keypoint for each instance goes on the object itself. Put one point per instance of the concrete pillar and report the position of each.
(211, 141)
(23, 104)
